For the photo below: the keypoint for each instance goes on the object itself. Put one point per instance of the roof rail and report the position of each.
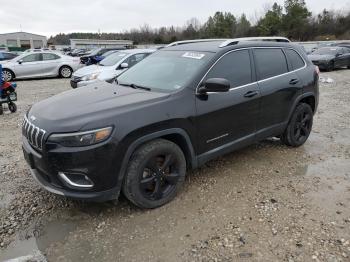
(194, 41)
(262, 38)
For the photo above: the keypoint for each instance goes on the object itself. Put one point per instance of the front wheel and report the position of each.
(7, 75)
(155, 174)
(65, 72)
(299, 126)
(330, 66)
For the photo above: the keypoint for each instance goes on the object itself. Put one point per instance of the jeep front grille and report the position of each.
(34, 134)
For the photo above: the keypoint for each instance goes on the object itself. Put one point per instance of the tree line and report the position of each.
(292, 20)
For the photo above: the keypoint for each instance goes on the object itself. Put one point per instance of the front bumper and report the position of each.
(321, 64)
(102, 196)
(92, 162)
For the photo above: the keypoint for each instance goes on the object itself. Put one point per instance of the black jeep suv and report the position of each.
(175, 110)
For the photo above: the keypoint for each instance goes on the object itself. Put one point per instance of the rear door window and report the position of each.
(49, 56)
(270, 62)
(235, 67)
(294, 59)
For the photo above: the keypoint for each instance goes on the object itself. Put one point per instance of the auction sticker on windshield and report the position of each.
(193, 55)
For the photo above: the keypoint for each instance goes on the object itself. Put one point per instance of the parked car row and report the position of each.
(110, 67)
(41, 63)
(97, 55)
(330, 58)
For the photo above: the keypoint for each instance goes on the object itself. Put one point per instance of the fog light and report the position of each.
(78, 181)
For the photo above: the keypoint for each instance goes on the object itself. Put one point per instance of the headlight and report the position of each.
(82, 138)
(90, 77)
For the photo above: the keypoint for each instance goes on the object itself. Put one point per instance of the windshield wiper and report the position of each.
(136, 86)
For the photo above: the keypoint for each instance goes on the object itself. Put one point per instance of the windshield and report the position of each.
(109, 53)
(113, 59)
(165, 71)
(326, 51)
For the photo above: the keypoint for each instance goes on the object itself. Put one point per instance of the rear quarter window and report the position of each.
(294, 59)
(270, 62)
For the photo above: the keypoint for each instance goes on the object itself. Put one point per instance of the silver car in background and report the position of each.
(40, 64)
(109, 68)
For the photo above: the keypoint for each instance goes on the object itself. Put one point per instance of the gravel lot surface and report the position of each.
(266, 202)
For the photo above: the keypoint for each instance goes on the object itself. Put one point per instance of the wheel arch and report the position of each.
(8, 69)
(176, 135)
(308, 98)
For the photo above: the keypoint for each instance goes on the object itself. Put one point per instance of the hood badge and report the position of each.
(33, 118)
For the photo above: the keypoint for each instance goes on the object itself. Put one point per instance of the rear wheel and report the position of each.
(155, 174)
(8, 75)
(1, 109)
(299, 126)
(65, 72)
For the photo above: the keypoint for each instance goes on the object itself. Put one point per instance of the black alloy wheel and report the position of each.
(155, 174)
(302, 126)
(159, 177)
(299, 126)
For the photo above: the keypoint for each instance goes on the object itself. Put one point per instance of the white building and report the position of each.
(23, 39)
(93, 43)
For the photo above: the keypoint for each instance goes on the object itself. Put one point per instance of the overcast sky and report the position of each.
(50, 17)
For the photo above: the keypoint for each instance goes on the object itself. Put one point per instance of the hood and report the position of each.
(70, 111)
(4, 62)
(320, 57)
(87, 70)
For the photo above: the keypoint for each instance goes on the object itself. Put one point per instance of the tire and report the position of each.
(8, 75)
(1, 110)
(155, 174)
(330, 67)
(65, 72)
(299, 126)
(12, 107)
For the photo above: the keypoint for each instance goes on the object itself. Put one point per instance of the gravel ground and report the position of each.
(266, 202)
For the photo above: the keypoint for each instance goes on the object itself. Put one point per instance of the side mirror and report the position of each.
(215, 85)
(20, 61)
(124, 65)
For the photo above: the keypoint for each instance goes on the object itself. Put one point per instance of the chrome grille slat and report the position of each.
(34, 134)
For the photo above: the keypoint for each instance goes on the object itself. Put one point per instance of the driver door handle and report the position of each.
(294, 81)
(251, 94)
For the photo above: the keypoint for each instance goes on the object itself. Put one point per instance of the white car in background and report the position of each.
(40, 64)
(109, 68)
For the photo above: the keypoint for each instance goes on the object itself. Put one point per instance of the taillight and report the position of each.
(317, 70)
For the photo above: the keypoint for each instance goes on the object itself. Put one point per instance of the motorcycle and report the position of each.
(7, 94)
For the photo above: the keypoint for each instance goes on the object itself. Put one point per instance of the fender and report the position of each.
(297, 100)
(132, 147)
